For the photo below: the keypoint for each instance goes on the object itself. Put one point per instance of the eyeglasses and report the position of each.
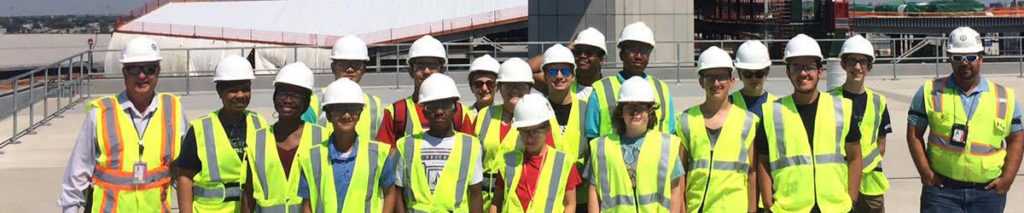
(343, 65)
(712, 78)
(148, 69)
(802, 69)
(434, 106)
(854, 61)
(342, 109)
(964, 58)
(535, 132)
(754, 75)
(283, 95)
(578, 50)
(642, 50)
(566, 72)
(636, 108)
(424, 65)
(482, 83)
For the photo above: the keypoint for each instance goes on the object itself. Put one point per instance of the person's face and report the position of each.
(234, 95)
(535, 137)
(717, 83)
(635, 55)
(511, 92)
(423, 67)
(857, 66)
(351, 69)
(963, 67)
(753, 78)
(290, 101)
(804, 72)
(440, 113)
(588, 58)
(140, 78)
(636, 115)
(559, 76)
(344, 117)
(483, 86)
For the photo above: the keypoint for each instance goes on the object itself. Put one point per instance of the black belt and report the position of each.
(949, 182)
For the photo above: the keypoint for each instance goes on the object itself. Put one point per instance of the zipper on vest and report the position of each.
(703, 200)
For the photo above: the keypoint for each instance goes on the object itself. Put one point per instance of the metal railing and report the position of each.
(63, 82)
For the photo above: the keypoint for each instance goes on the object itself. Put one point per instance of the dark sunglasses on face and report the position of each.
(148, 69)
(481, 83)
(964, 58)
(852, 61)
(339, 110)
(754, 75)
(347, 64)
(565, 72)
(637, 49)
(585, 52)
(722, 77)
(635, 108)
(535, 132)
(424, 65)
(433, 107)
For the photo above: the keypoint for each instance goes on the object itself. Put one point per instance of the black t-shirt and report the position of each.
(860, 102)
(189, 158)
(807, 113)
(562, 113)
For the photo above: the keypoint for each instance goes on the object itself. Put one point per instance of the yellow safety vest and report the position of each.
(717, 177)
(619, 194)
(118, 144)
(453, 184)
(607, 92)
(551, 182)
(369, 119)
(272, 190)
(363, 194)
(982, 159)
(873, 182)
(802, 176)
(488, 131)
(218, 186)
(738, 101)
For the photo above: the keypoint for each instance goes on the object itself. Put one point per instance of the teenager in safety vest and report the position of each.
(127, 142)
(560, 70)
(808, 143)
(635, 44)
(752, 65)
(440, 170)
(482, 75)
(975, 140)
(211, 167)
(494, 123)
(588, 50)
(623, 181)
(537, 177)
(717, 143)
(348, 60)
(348, 172)
(274, 178)
(406, 117)
(871, 109)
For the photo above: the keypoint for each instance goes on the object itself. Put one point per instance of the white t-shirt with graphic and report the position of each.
(434, 153)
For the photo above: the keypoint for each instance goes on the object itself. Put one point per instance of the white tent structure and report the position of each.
(177, 25)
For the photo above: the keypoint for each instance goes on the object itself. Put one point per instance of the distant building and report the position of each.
(3, 30)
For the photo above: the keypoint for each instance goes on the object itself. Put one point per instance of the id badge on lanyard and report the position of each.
(959, 136)
(139, 170)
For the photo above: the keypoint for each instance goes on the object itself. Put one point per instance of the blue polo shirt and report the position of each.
(918, 117)
(592, 125)
(343, 164)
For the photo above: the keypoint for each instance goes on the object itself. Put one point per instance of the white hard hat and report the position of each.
(343, 91)
(515, 70)
(297, 74)
(532, 109)
(859, 45)
(591, 37)
(964, 40)
(349, 47)
(559, 54)
(140, 49)
(636, 89)
(233, 68)
(637, 32)
(752, 55)
(437, 87)
(712, 58)
(485, 63)
(802, 45)
(427, 46)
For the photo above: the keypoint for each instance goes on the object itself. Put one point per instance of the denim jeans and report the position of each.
(953, 200)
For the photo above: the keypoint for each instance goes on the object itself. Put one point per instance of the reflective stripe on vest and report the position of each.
(554, 165)
(982, 156)
(417, 194)
(283, 208)
(279, 197)
(608, 89)
(320, 190)
(373, 105)
(608, 200)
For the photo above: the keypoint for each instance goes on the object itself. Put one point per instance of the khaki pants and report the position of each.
(869, 204)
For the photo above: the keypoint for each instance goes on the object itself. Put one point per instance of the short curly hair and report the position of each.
(620, 126)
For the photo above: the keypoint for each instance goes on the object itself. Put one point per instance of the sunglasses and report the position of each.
(586, 51)
(339, 110)
(342, 65)
(964, 58)
(433, 107)
(852, 61)
(535, 132)
(566, 72)
(147, 69)
(422, 66)
(754, 75)
(479, 84)
(642, 50)
(636, 108)
(712, 78)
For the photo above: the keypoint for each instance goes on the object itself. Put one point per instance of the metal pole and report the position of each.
(46, 93)
(378, 61)
(90, 72)
(894, 70)
(937, 58)
(81, 74)
(188, 71)
(14, 112)
(1020, 61)
(60, 84)
(295, 54)
(71, 70)
(31, 100)
(679, 58)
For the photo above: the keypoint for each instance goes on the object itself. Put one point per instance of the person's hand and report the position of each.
(931, 179)
(999, 185)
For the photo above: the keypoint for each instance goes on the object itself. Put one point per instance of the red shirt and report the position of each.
(389, 133)
(528, 181)
(287, 156)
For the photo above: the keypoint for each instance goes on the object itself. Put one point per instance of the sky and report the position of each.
(67, 7)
